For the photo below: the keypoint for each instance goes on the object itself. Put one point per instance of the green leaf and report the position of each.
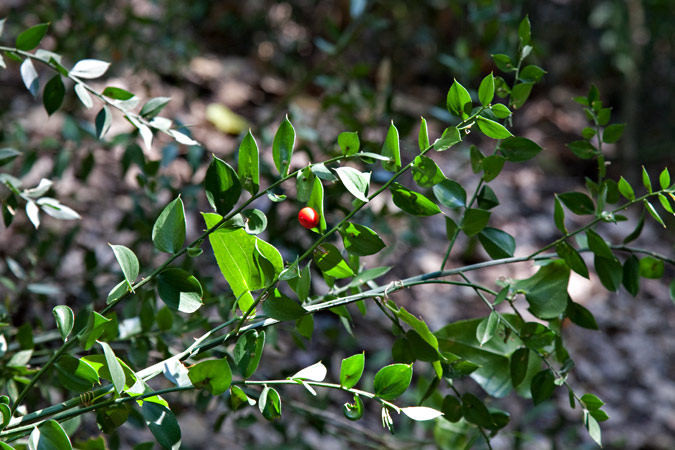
(270, 404)
(239, 399)
(458, 100)
(420, 327)
(213, 375)
(48, 435)
(168, 232)
(651, 267)
(609, 271)
(665, 203)
(546, 291)
(559, 216)
(654, 214)
(222, 186)
(421, 413)
(117, 93)
(572, 258)
(64, 318)
(75, 374)
(631, 275)
(500, 111)
(450, 194)
(645, 180)
(162, 424)
(519, 365)
(114, 367)
(127, 261)
(583, 149)
(637, 231)
(255, 221)
(476, 158)
(392, 381)
(423, 136)
(353, 411)
(474, 221)
(664, 179)
(153, 106)
(497, 243)
(30, 77)
(355, 182)
(450, 137)
(474, 411)
(349, 142)
(103, 121)
(581, 316)
(613, 133)
(591, 402)
(520, 93)
(248, 351)
(248, 164)
(234, 250)
(492, 166)
(282, 147)
(487, 199)
(593, 428)
(492, 129)
(330, 262)
(518, 149)
(96, 325)
(413, 202)
(531, 74)
(304, 182)
(543, 385)
(426, 172)
(524, 31)
(282, 308)
(30, 38)
(391, 149)
(8, 154)
(577, 202)
(302, 283)
(626, 189)
(316, 202)
(451, 408)
(486, 90)
(487, 327)
(503, 62)
(53, 94)
(351, 370)
(368, 275)
(179, 290)
(360, 240)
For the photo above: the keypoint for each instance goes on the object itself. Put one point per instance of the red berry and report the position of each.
(308, 218)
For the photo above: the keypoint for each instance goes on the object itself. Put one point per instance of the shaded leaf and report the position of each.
(222, 186)
(391, 150)
(282, 147)
(412, 202)
(162, 424)
(49, 435)
(179, 290)
(546, 291)
(213, 375)
(392, 381)
(360, 240)
(450, 194)
(168, 232)
(30, 38)
(351, 370)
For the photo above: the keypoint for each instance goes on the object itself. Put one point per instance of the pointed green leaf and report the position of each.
(391, 150)
(360, 240)
(492, 166)
(581, 316)
(609, 271)
(593, 428)
(645, 180)
(162, 424)
(583, 149)
(487, 327)
(392, 381)
(613, 133)
(519, 364)
(270, 403)
(103, 121)
(53, 94)
(248, 351)
(355, 182)
(500, 111)
(351, 370)
(486, 90)
(96, 325)
(664, 179)
(474, 221)
(213, 375)
(653, 212)
(30, 38)
(282, 308)
(222, 186)
(117, 93)
(519, 94)
(426, 172)
(572, 258)
(492, 129)
(524, 31)
(543, 385)
(666, 204)
(179, 290)
(497, 243)
(74, 374)
(475, 411)
(349, 142)
(626, 189)
(651, 267)
(458, 100)
(114, 366)
(168, 232)
(248, 164)
(450, 137)
(304, 182)
(487, 199)
(518, 149)
(546, 291)
(316, 202)
(531, 74)
(577, 202)
(503, 62)
(412, 202)
(329, 260)
(423, 136)
(282, 147)
(637, 231)
(127, 261)
(64, 318)
(450, 194)
(631, 275)
(49, 435)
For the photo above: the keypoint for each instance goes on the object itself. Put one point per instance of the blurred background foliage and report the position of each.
(335, 66)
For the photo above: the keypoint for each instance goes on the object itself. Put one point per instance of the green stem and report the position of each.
(456, 232)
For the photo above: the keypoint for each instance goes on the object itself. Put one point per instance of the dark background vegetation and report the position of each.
(331, 72)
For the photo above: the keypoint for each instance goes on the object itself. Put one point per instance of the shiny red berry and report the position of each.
(308, 218)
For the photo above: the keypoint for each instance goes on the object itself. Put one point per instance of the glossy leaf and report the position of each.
(89, 69)
(412, 202)
(282, 308)
(581, 316)
(255, 221)
(423, 135)
(96, 325)
(391, 149)
(457, 100)
(30, 38)
(316, 202)
(270, 404)
(353, 411)
(497, 243)
(248, 351)
(103, 122)
(426, 172)
(179, 290)
(520, 93)
(282, 147)
(546, 291)
(153, 107)
(543, 385)
(609, 271)
(492, 129)
(53, 94)
(75, 374)
(329, 260)
(524, 31)
(475, 411)
(572, 258)
(487, 327)
(500, 111)
(450, 137)
(351, 370)
(519, 364)
(114, 367)
(117, 93)
(248, 164)
(451, 408)
(474, 221)
(64, 318)
(212, 375)
(653, 213)
(631, 275)
(421, 413)
(646, 181)
(315, 372)
(503, 62)
(168, 232)
(222, 186)
(419, 326)
(360, 240)
(626, 189)
(355, 182)
(664, 179)
(486, 90)
(162, 424)
(30, 76)
(487, 199)
(127, 261)
(577, 202)
(598, 245)
(349, 142)
(518, 149)
(450, 194)
(49, 435)
(392, 381)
